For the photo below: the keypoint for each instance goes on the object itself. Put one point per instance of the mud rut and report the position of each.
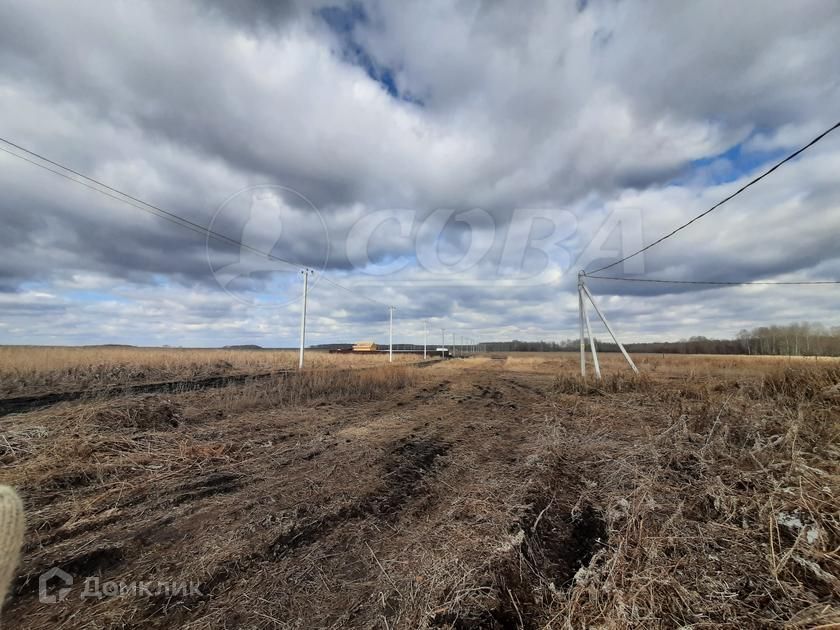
(390, 513)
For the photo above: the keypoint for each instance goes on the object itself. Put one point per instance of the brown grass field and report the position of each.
(35, 369)
(491, 492)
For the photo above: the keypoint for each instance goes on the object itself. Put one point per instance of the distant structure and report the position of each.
(371, 347)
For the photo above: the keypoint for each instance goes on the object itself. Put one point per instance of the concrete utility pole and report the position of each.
(584, 294)
(425, 336)
(391, 310)
(592, 344)
(442, 339)
(305, 273)
(580, 317)
(610, 330)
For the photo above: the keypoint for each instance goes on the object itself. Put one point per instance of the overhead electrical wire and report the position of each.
(724, 200)
(712, 282)
(145, 206)
(135, 202)
(114, 193)
(353, 291)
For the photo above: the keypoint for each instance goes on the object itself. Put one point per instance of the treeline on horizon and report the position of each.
(799, 339)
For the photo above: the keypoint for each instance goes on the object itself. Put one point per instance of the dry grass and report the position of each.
(31, 369)
(308, 387)
(481, 493)
(726, 514)
(116, 424)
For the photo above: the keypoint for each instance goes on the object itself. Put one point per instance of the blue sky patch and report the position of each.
(729, 165)
(342, 21)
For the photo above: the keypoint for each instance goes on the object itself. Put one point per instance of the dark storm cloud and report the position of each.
(254, 14)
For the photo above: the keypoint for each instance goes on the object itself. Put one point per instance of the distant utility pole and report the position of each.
(305, 273)
(391, 333)
(442, 339)
(425, 336)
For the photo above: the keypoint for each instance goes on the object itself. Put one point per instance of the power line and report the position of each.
(713, 283)
(114, 193)
(354, 292)
(723, 201)
(128, 199)
(60, 174)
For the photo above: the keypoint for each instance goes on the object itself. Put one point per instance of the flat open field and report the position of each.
(491, 492)
(31, 370)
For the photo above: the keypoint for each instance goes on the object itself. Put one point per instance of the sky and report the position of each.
(461, 161)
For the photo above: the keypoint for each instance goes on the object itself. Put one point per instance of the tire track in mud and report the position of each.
(408, 465)
(107, 555)
(556, 540)
(22, 404)
(414, 435)
(411, 462)
(128, 510)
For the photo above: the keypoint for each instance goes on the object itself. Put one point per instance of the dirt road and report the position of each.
(339, 515)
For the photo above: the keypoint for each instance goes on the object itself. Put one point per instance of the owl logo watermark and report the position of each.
(258, 241)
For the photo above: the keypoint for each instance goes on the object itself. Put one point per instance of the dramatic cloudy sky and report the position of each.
(459, 160)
